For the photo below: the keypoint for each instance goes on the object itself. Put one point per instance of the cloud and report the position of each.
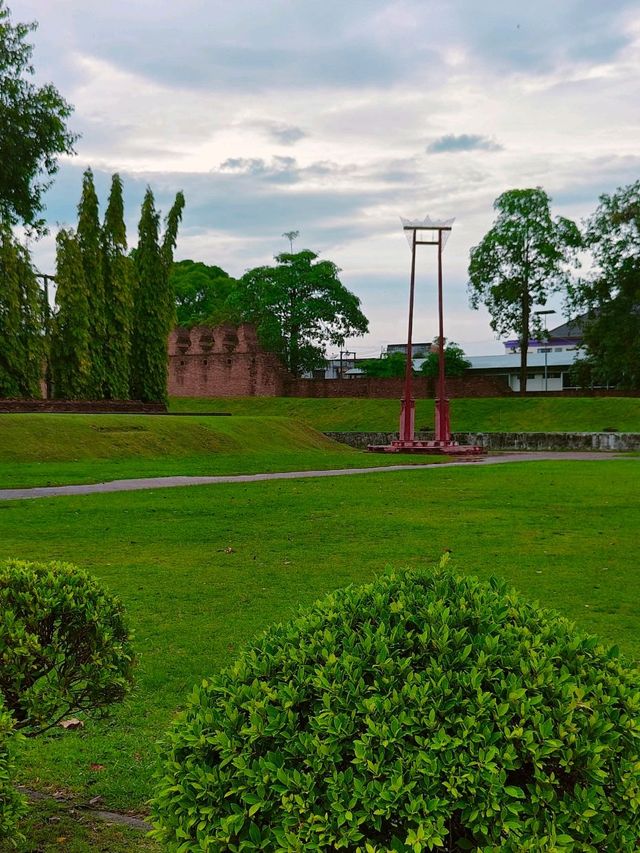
(285, 134)
(208, 96)
(279, 169)
(450, 143)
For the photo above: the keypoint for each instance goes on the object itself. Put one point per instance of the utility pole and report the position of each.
(545, 350)
(346, 353)
(46, 278)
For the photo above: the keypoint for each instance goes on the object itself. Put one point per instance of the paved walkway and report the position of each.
(172, 482)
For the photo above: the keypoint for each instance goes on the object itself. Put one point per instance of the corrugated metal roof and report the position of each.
(511, 361)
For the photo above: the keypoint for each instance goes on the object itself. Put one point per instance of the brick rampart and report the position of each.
(224, 361)
(423, 387)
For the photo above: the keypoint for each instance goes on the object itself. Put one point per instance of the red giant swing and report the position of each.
(426, 232)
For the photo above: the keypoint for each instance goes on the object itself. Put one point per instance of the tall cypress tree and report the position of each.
(9, 317)
(32, 326)
(21, 321)
(90, 242)
(70, 337)
(117, 271)
(154, 307)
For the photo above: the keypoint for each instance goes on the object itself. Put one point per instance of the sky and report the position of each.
(335, 118)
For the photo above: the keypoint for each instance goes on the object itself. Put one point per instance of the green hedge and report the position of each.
(418, 712)
(64, 649)
(12, 804)
(64, 644)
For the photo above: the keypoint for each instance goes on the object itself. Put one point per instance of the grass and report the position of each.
(45, 449)
(52, 827)
(202, 569)
(498, 414)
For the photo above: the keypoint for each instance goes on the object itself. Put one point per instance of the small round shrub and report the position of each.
(419, 712)
(64, 644)
(12, 804)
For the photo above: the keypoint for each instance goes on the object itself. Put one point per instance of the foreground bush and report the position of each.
(419, 712)
(12, 804)
(64, 649)
(64, 644)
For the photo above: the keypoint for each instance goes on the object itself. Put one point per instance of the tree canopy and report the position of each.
(455, 363)
(525, 256)
(33, 128)
(154, 305)
(611, 295)
(21, 321)
(118, 279)
(387, 367)
(201, 293)
(299, 306)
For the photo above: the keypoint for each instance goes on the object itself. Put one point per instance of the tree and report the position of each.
(298, 306)
(455, 364)
(291, 236)
(392, 365)
(201, 293)
(33, 129)
(70, 336)
(523, 258)
(21, 321)
(611, 295)
(154, 302)
(117, 271)
(89, 237)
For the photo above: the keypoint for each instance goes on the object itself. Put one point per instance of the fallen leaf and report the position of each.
(96, 767)
(71, 723)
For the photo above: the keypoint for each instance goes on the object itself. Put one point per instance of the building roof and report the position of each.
(573, 328)
(566, 334)
(511, 361)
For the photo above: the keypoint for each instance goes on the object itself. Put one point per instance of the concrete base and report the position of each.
(439, 448)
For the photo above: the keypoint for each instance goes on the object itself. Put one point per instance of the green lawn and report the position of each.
(497, 414)
(203, 569)
(45, 449)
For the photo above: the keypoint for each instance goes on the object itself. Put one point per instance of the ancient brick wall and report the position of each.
(224, 361)
(423, 387)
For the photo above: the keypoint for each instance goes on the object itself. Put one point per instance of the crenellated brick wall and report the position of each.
(227, 361)
(224, 361)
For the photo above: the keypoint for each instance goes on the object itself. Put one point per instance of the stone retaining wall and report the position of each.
(612, 441)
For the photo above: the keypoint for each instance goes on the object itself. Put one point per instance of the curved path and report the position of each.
(172, 482)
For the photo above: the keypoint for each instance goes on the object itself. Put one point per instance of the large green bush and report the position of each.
(419, 712)
(12, 804)
(64, 648)
(64, 644)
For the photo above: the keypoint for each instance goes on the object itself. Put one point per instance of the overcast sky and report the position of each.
(334, 118)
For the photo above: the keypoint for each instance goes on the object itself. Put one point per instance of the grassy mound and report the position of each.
(59, 438)
(495, 414)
